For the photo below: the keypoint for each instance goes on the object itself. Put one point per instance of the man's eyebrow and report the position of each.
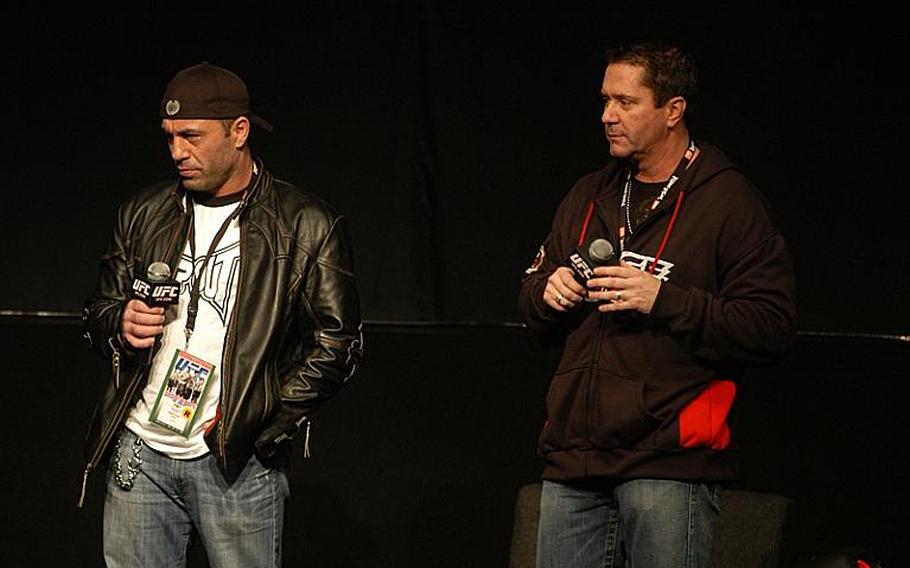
(619, 96)
(183, 132)
(187, 131)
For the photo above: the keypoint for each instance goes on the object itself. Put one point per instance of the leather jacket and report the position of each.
(293, 339)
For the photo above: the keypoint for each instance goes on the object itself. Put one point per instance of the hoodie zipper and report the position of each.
(601, 325)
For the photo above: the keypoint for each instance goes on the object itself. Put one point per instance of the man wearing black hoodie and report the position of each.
(637, 439)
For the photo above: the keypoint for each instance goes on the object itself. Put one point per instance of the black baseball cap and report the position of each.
(208, 91)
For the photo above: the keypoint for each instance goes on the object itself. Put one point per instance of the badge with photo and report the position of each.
(182, 392)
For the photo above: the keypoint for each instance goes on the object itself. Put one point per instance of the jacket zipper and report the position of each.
(108, 432)
(115, 363)
(601, 325)
(228, 348)
(175, 240)
(230, 336)
(590, 387)
(226, 357)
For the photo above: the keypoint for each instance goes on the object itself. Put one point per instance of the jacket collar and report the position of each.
(255, 194)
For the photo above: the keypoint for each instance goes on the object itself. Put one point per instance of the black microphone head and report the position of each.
(601, 251)
(159, 272)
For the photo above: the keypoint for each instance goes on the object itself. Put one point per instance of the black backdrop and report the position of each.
(448, 132)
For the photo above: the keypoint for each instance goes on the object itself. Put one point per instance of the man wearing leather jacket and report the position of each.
(267, 326)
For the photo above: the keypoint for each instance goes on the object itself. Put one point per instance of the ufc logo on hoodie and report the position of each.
(644, 264)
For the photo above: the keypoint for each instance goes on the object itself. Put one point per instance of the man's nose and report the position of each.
(608, 116)
(178, 149)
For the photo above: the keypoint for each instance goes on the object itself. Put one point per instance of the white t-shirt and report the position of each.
(218, 292)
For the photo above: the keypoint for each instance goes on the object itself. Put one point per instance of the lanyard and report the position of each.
(193, 309)
(625, 205)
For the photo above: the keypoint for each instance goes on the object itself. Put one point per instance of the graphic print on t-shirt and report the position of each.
(220, 275)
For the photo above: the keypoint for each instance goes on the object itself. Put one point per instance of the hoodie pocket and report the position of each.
(564, 427)
(619, 417)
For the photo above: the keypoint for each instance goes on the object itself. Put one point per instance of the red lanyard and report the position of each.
(624, 206)
(625, 230)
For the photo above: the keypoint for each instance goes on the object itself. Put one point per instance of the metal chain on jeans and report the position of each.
(132, 466)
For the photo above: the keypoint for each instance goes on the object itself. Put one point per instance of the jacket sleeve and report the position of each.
(329, 322)
(102, 311)
(543, 321)
(751, 320)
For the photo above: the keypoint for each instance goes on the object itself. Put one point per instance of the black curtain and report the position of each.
(448, 132)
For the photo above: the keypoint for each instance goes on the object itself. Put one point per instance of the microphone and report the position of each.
(599, 253)
(602, 253)
(157, 289)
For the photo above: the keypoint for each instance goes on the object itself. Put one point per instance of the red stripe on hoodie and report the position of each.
(703, 422)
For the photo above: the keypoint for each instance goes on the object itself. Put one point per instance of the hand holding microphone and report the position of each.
(566, 287)
(623, 288)
(143, 316)
(600, 253)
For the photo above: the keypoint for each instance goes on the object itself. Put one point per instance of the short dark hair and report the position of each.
(226, 124)
(668, 70)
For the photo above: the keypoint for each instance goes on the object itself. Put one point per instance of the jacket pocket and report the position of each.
(564, 427)
(619, 417)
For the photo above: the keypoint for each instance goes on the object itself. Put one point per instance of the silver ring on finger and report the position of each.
(618, 297)
(559, 298)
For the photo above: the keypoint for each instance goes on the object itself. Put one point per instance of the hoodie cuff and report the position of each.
(669, 302)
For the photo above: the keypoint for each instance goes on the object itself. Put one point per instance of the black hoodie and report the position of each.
(649, 396)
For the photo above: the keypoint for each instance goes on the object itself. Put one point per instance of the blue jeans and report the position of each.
(643, 523)
(172, 501)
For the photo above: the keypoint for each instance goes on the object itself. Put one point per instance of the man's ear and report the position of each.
(240, 131)
(676, 108)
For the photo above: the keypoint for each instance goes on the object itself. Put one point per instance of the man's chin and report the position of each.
(617, 147)
(618, 151)
(195, 185)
